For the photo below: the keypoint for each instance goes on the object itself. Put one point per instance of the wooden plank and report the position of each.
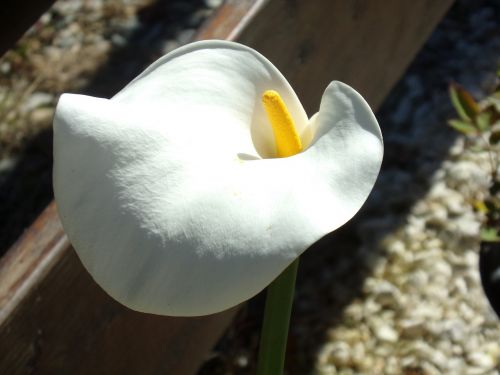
(367, 44)
(30, 259)
(71, 326)
(17, 16)
(55, 319)
(230, 19)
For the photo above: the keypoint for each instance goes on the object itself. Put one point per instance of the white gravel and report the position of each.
(422, 308)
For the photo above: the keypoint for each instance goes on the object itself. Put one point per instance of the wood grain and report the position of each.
(55, 320)
(367, 44)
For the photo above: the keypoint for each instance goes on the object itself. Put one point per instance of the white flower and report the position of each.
(171, 194)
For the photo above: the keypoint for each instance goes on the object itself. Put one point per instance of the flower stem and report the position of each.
(277, 313)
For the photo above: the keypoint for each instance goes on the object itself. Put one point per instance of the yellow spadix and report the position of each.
(285, 135)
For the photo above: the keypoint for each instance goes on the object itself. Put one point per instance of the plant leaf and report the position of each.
(476, 149)
(483, 121)
(463, 127)
(465, 105)
(490, 235)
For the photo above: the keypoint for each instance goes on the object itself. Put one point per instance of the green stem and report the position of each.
(276, 322)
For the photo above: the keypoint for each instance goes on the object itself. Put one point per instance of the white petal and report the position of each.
(345, 156)
(218, 75)
(156, 196)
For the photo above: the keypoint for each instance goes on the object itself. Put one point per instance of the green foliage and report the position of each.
(482, 121)
(464, 103)
(473, 119)
(464, 127)
(490, 235)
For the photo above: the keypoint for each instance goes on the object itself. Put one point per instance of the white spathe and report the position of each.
(169, 191)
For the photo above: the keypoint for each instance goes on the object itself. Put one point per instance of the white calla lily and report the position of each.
(170, 192)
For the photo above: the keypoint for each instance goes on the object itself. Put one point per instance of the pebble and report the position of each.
(338, 353)
(242, 361)
(37, 99)
(386, 294)
(464, 171)
(7, 165)
(467, 225)
(455, 203)
(118, 40)
(213, 3)
(442, 268)
(386, 333)
(42, 117)
(438, 215)
(481, 360)
(5, 67)
(429, 369)
(412, 328)
(460, 285)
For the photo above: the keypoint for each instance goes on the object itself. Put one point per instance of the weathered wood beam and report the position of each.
(367, 44)
(55, 319)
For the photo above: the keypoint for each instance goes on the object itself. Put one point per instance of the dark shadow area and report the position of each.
(161, 21)
(489, 262)
(417, 140)
(27, 189)
(16, 17)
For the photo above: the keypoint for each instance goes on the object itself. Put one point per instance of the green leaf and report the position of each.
(483, 121)
(476, 149)
(495, 137)
(490, 235)
(463, 127)
(465, 105)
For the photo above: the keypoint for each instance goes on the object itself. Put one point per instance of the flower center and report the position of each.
(286, 137)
